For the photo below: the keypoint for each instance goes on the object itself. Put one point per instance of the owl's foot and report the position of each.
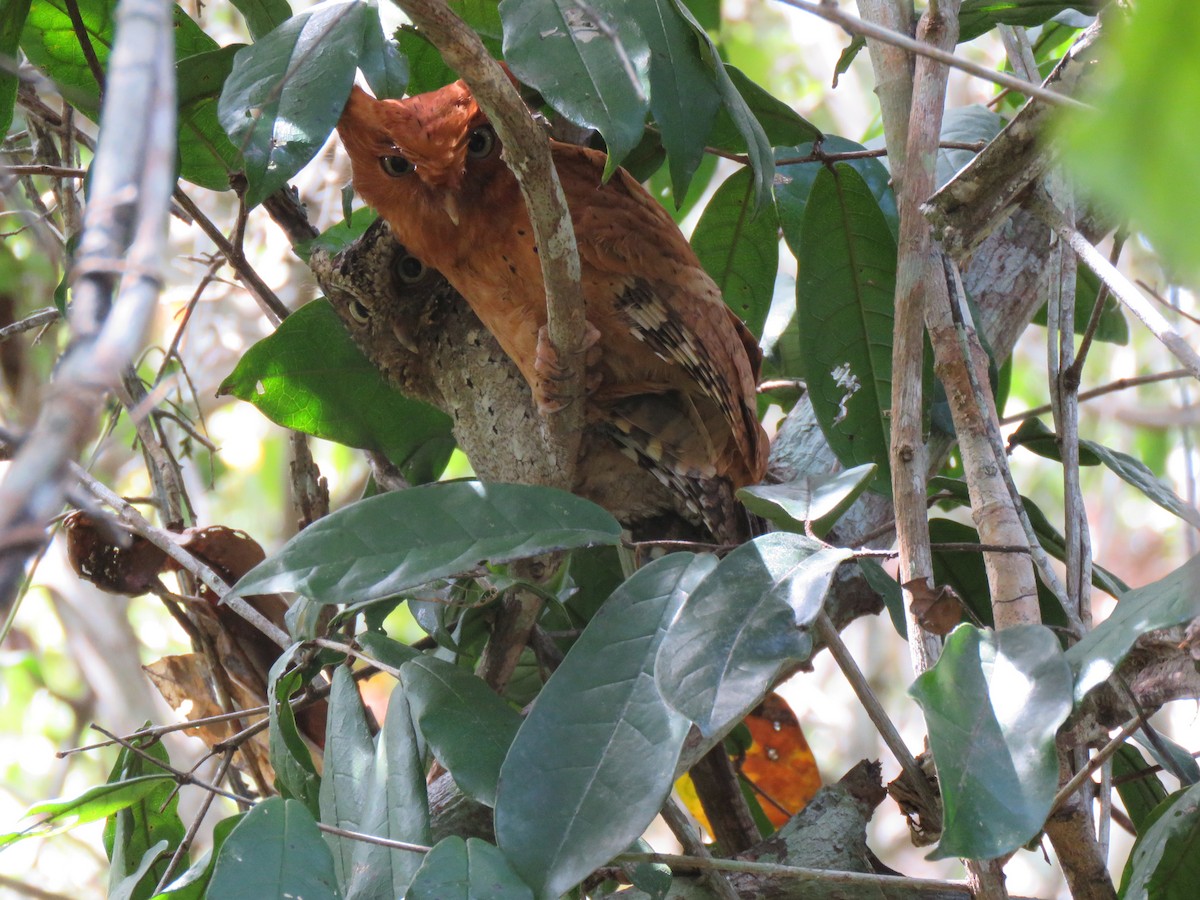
(548, 392)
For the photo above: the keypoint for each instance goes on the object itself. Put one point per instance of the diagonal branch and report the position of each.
(528, 155)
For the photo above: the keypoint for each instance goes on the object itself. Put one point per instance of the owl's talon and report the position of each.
(548, 393)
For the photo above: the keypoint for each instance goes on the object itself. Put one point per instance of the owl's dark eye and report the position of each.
(395, 165)
(359, 312)
(481, 142)
(410, 269)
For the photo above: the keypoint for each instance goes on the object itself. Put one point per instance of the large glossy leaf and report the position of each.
(586, 67)
(136, 836)
(310, 376)
(993, 703)
(758, 145)
(396, 808)
(382, 62)
(980, 16)
(380, 546)
(275, 851)
(95, 803)
(742, 625)
(1169, 601)
(12, 20)
(739, 249)
(1164, 863)
(683, 90)
(782, 125)
(816, 500)
(468, 726)
(287, 90)
(844, 300)
(594, 761)
(206, 156)
(349, 764)
(466, 870)
(794, 183)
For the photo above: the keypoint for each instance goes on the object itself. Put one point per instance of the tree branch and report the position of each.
(528, 155)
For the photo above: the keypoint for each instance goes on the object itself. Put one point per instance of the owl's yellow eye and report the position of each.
(395, 165)
(359, 312)
(410, 269)
(481, 142)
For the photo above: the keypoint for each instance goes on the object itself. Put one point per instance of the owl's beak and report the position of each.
(450, 205)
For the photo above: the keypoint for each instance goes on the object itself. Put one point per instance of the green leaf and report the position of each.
(981, 16)
(12, 20)
(683, 91)
(844, 301)
(1035, 436)
(263, 16)
(816, 499)
(757, 145)
(466, 870)
(193, 884)
(1112, 327)
(468, 726)
(1171, 600)
(743, 625)
(295, 773)
(993, 703)
(382, 62)
(396, 808)
(739, 249)
(1131, 132)
(136, 836)
(662, 189)
(426, 69)
(202, 76)
(783, 126)
(287, 91)
(95, 803)
(594, 761)
(1164, 863)
(378, 547)
(206, 156)
(349, 762)
(582, 65)
(794, 183)
(310, 376)
(1141, 790)
(275, 851)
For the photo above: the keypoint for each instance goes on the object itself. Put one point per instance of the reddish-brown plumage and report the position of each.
(431, 166)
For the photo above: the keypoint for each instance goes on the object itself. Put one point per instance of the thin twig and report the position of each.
(51, 171)
(828, 634)
(681, 826)
(1094, 763)
(855, 25)
(194, 827)
(1118, 284)
(38, 319)
(1121, 384)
